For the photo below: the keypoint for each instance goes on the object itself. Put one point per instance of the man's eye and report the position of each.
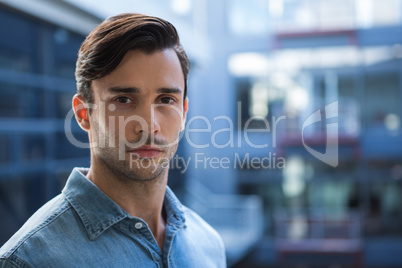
(123, 100)
(167, 100)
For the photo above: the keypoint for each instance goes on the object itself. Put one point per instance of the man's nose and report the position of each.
(150, 122)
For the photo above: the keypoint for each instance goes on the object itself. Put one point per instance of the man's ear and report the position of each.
(183, 123)
(81, 112)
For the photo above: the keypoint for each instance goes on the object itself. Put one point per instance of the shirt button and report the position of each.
(138, 225)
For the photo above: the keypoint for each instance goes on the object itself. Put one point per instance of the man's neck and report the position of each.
(142, 199)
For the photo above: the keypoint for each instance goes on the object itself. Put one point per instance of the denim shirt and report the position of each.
(82, 227)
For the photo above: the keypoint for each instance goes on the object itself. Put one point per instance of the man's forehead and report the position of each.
(141, 72)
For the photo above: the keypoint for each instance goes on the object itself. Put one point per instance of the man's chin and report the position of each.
(145, 174)
(151, 166)
(144, 162)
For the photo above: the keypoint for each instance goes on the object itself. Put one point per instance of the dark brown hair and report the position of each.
(106, 45)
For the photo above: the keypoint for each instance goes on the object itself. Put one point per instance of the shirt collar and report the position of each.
(98, 212)
(173, 208)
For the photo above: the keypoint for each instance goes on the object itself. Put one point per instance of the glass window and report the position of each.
(335, 194)
(313, 15)
(383, 210)
(33, 148)
(248, 17)
(20, 101)
(346, 86)
(5, 149)
(378, 13)
(67, 150)
(17, 43)
(63, 101)
(180, 7)
(66, 46)
(383, 100)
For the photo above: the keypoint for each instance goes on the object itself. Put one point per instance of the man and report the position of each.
(131, 78)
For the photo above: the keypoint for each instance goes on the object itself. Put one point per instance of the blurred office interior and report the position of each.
(260, 69)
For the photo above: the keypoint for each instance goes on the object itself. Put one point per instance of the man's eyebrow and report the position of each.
(169, 90)
(123, 90)
(136, 90)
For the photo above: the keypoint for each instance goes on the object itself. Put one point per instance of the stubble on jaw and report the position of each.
(137, 169)
(126, 172)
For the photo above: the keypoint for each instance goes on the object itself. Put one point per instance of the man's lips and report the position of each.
(146, 151)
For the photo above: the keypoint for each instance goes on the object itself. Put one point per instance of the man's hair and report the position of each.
(104, 48)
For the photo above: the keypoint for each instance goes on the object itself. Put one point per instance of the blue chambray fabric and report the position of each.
(82, 227)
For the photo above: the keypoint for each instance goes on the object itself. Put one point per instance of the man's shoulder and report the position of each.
(200, 226)
(194, 218)
(203, 239)
(48, 219)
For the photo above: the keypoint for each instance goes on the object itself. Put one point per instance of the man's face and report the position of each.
(139, 114)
